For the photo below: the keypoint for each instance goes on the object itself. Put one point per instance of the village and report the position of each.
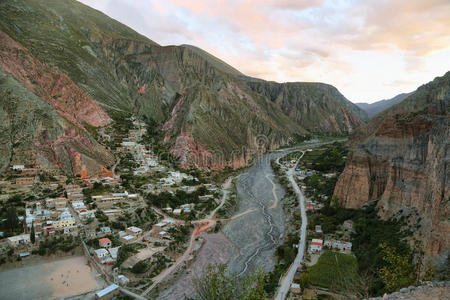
(131, 222)
(325, 242)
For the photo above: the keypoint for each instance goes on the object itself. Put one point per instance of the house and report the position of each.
(168, 209)
(60, 203)
(295, 288)
(70, 230)
(104, 242)
(108, 292)
(105, 230)
(128, 238)
(17, 240)
(316, 245)
(113, 252)
(134, 231)
(339, 245)
(101, 255)
(123, 280)
(18, 167)
(318, 229)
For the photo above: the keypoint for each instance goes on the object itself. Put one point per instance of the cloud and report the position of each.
(368, 49)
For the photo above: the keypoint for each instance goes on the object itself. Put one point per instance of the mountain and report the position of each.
(91, 69)
(374, 108)
(214, 61)
(316, 106)
(401, 159)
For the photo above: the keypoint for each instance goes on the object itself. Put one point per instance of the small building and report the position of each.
(123, 280)
(100, 255)
(105, 230)
(18, 167)
(168, 209)
(113, 252)
(177, 211)
(17, 240)
(295, 288)
(107, 292)
(128, 239)
(133, 230)
(316, 245)
(318, 229)
(104, 242)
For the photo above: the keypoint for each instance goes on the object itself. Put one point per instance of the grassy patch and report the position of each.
(332, 267)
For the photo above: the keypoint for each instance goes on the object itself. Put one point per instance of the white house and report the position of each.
(17, 240)
(316, 245)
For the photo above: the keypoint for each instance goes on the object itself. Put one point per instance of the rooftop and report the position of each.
(107, 290)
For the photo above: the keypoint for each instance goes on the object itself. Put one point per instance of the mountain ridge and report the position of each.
(376, 107)
(208, 116)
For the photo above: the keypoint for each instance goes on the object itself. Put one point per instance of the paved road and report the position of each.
(287, 279)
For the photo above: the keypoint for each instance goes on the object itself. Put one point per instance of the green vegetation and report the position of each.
(285, 255)
(329, 159)
(331, 269)
(180, 197)
(97, 189)
(140, 267)
(51, 246)
(125, 251)
(218, 283)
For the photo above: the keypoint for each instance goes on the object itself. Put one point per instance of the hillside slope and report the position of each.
(374, 108)
(401, 158)
(316, 106)
(32, 131)
(210, 116)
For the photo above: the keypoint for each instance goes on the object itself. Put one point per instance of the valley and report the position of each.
(131, 169)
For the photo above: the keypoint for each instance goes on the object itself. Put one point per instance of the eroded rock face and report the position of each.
(56, 89)
(401, 158)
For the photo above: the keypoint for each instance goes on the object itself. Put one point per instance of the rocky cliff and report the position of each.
(401, 158)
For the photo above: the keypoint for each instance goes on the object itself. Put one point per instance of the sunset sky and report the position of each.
(369, 50)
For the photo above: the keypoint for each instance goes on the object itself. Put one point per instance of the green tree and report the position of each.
(11, 218)
(32, 234)
(398, 271)
(218, 284)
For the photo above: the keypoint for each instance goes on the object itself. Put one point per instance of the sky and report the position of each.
(369, 49)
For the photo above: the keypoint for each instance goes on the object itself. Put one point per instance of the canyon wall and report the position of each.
(401, 159)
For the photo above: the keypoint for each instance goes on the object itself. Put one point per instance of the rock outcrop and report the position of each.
(401, 159)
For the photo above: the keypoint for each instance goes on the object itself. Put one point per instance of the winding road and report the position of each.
(289, 276)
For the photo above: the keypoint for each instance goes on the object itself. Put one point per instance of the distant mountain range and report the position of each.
(88, 70)
(374, 108)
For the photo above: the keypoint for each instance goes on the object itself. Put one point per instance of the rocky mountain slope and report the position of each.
(316, 106)
(374, 108)
(89, 67)
(32, 131)
(401, 158)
